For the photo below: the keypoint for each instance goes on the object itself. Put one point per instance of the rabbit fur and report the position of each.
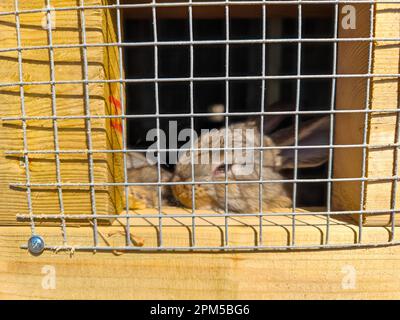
(241, 197)
(245, 197)
(140, 170)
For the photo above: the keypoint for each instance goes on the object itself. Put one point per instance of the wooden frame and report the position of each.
(103, 99)
(321, 274)
(218, 12)
(352, 93)
(257, 275)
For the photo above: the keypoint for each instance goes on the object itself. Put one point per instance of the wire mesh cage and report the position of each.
(202, 125)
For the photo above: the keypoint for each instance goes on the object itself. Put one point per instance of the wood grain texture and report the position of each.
(322, 274)
(385, 94)
(70, 101)
(351, 93)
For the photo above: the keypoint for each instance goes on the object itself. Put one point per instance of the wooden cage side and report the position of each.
(350, 94)
(114, 100)
(302, 274)
(382, 129)
(70, 101)
(380, 126)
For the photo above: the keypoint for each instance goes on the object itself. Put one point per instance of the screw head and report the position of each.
(36, 245)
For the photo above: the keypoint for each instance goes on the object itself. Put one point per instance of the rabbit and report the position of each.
(244, 197)
(140, 170)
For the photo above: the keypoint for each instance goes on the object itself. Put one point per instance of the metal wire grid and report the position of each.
(93, 217)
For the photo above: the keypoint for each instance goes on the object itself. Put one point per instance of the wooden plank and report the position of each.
(70, 101)
(236, 11)
(350, 94)
(385, 94)
(381, 130)
(319, 274)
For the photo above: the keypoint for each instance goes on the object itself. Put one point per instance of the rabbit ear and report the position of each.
(272, 121)
(311, 133)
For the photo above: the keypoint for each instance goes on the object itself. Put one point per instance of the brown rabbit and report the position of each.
(244, 197)
(140, 170)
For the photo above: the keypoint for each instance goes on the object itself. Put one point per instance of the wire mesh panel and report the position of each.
(206, 125)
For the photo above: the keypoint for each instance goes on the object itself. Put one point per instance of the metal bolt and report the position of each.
(36, 245)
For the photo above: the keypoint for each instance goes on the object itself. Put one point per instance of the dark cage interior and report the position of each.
(245, 60)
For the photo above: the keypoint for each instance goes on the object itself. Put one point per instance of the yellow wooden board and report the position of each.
(351, 93)
(235, 11)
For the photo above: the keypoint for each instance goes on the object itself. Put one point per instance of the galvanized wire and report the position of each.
(88, 125)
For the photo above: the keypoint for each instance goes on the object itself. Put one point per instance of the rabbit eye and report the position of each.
(221, 169)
